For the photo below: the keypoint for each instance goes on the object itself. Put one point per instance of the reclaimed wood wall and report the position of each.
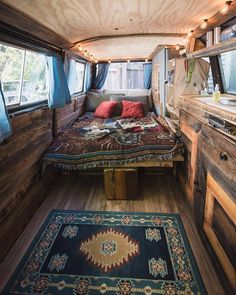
(66, 115)
(20, 165)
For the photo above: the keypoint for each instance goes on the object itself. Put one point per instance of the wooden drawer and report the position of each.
(220, 150)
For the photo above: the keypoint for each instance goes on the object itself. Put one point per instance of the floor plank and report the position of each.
(157, 193)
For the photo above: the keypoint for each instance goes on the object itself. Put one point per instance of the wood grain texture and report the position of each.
(77, 20)
(158, 193)
(121, 184)
(17, 18)
(214, 191)
(65, 116)
(19, 166)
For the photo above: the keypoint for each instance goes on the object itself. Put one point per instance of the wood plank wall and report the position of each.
(66, 115)
(19, 165)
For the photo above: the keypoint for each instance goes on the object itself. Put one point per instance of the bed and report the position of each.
(94, 142)
(117, 146)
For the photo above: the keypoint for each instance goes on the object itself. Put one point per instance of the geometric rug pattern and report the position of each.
(89, 252)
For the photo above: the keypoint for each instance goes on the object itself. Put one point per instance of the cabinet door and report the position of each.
(190, 131)
(220, 226)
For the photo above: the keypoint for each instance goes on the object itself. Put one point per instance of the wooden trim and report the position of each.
(97, 38)
(215, 49)
(214, 191)
(216, 20)
(192, 135)
(17, 19)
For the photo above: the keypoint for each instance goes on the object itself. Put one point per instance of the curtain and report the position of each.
(5, 125)
(59, 93)
(147, 75)
(70, 71)
(102, 71)
(87, 78)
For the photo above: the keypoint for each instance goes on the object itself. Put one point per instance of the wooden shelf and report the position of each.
(215, 49)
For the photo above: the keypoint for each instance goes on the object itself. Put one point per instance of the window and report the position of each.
(80, 70)
(210, 82)
(23, 75)
(228, 69)
(125, 76)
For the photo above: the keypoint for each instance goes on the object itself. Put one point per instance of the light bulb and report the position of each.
(190, 33)
(128, 60)
(96, 61)
(85, 53)
(177, 47)
(204, 24)
(225, 9)
(109, 61)
(146, 60)
(80, 48)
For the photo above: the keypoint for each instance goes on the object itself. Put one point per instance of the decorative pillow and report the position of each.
(132, 109)
(105, 109)
(93, 99)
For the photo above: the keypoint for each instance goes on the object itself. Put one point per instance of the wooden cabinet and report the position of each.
(208, 177)
(215, 200)
(190, 129)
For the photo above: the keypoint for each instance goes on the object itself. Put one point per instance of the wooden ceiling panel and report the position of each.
(128, 47)
(81, 19)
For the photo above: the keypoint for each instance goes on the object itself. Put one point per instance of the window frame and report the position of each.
(223, 75)
(82, 90)
(18, 106)
(125, 62)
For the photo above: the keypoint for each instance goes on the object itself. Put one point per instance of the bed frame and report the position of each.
(120, 182)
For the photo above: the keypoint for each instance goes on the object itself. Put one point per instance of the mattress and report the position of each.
(94, 142)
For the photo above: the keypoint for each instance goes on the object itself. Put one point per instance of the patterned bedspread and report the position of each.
(93, 142)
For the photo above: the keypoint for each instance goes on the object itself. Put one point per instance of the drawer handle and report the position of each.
(223, 156)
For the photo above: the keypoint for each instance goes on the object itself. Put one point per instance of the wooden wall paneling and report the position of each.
(16, 18)
(65, 116)
(19, 164)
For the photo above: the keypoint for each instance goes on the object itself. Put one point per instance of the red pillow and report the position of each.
(131, 109)
(105, 109)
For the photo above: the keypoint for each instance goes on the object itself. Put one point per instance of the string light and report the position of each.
(80, 47)
(177, 47)
(109, 61)
(128, 60)
(96, 61)
(225, 9)
(86, 53)
(204, 24)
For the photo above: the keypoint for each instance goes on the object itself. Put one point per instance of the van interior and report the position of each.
(118, 147)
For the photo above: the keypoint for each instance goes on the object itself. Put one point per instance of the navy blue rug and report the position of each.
(85, 252)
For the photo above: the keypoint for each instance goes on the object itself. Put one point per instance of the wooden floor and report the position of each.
(158, 193)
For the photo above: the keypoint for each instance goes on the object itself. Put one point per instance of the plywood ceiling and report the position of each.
(129, 47)
(76, 20)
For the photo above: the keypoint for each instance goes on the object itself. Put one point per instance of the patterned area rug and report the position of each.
(85, 252)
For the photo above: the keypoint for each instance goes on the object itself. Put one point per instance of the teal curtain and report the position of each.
(5, 124)
(59, 94)
(87, 78)
(70, 71)
(102, 71)
(147, 75)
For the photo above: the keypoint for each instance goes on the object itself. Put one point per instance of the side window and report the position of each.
(228, 70)
(80, 72)
(23, 75)
(210, 81)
